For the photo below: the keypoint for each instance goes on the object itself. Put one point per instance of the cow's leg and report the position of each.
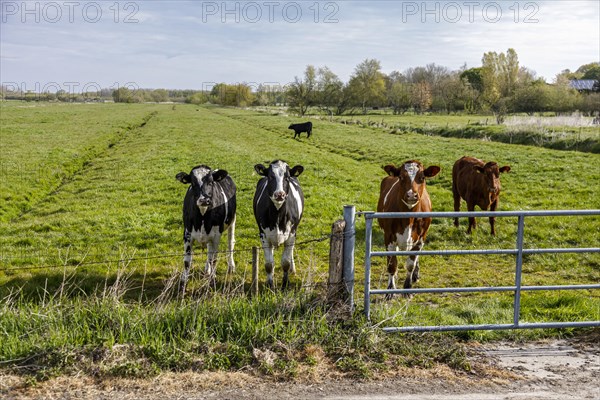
(493, 207)
(412, 266)
(456, 202)
(230, 246)
(269, 261)
(187, 260)
(211, 262)
(472, 221)
(287, 260)
(392, 267)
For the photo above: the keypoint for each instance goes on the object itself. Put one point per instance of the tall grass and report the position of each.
(278, 334)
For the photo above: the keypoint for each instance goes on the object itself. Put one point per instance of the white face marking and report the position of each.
(279, 170)
(412, 169)
(200, 173)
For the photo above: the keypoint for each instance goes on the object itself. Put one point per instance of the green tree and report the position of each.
(535, 97)
(592, 73)
(159, 95)
(237, 95)
(398, 92)
(122, 95)
(330, 91)
(588, 71)
(452, 93)
(421, 97)
(367, 84)
(301, 93)
(197, 98)
(499, 74)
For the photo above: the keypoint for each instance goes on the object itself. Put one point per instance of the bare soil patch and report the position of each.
(553, 369)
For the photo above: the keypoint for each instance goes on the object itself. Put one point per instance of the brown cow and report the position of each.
(478, 183)
(403, 191)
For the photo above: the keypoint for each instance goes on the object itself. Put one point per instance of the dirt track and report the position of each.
(551, 370)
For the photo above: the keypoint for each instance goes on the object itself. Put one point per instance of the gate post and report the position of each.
(349, 239)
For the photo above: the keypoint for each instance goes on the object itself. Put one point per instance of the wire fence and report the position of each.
(69, 262)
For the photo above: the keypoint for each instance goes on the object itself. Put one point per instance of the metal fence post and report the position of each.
(519, 270)
(349, 240)
(368, 240)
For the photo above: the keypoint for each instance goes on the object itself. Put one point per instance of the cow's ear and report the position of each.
(219, 175)
(479, 169)
(297, 170)
(506, 168)
(391, 170)
(260, 169)
(183, 178)
(432, 171)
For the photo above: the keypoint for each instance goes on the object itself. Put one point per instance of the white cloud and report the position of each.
(182, 44)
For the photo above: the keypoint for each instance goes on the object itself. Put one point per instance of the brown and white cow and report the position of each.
(404, 190)
(478, 183)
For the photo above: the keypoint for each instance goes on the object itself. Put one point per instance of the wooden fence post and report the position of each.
(335, 284)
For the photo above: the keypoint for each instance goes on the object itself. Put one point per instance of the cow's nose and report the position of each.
(279, 195)
(203, 201)
(412, 196)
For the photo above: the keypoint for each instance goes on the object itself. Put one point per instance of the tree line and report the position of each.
(499, 86)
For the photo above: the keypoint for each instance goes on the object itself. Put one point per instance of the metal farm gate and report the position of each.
(518, 251)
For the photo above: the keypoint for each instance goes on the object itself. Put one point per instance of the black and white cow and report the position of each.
(208, 210)
(278, 206)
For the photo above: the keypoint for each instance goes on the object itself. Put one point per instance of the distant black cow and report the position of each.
(278, 206)
(208, 210)
(299, 128)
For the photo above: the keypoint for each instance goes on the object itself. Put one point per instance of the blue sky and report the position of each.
(192, 44)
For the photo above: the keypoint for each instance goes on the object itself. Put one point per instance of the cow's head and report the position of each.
(411, 177)
(491, 173)
(278, 175)
(203, 180)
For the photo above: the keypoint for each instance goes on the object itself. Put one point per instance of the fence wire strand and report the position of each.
(202, 252)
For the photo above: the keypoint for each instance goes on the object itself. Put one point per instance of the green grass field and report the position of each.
(91, 212)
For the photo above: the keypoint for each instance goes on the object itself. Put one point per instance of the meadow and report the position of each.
(567, 132)
(91, 242)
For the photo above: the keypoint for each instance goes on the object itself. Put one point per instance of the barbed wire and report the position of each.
(127, 260)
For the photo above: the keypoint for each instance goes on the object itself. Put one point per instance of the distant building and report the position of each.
(584, 85)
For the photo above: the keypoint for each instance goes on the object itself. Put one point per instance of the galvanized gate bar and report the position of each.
(484, 327)
(479, 252)
(477, 214)
(483, 289)
(518, 252)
